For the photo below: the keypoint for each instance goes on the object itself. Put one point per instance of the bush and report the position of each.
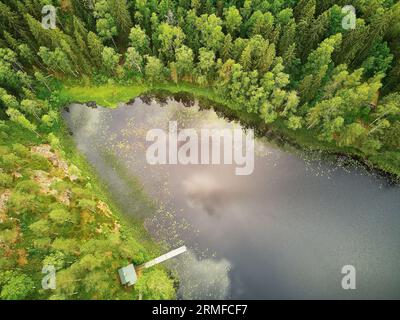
(56, 259)
(4, 150)
(5, 180)
(389, 161)
(15, 286)
(28, 186)
(20, 150)
(10, 162)
(155, 285)
(60, 216)
(42, 243)
(20, 203)
(39, 162)
(68, 246)
(40, 227)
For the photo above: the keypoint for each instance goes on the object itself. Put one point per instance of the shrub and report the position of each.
(39, 162)
(28, 186)
(60, 216)
(16, 286)
(5, 180)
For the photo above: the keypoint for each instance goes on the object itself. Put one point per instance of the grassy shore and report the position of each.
(110, 95)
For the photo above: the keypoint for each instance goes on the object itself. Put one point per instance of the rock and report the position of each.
(16, 175)
(91, 104)
(65, 197)
(3, 201)
(103, 207)
(45, 151)
(44, 181)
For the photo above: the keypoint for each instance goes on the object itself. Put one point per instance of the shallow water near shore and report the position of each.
(285, 231)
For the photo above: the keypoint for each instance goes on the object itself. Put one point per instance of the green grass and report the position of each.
(104, 95)
(110, 95)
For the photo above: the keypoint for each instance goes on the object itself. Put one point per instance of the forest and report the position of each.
(314, 71)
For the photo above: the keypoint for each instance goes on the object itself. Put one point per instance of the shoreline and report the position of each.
(208, 99)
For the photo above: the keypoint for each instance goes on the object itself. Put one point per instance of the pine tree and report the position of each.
(226, 49)
(42, 36)
(20, 119)
(233, 20)
(11, 41)
(317, 66)
(95, 48)
(119, 10)
(9, 19)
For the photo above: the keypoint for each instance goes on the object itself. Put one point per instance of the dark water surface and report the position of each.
(285, 231)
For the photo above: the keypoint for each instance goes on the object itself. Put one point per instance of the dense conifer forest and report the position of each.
(314, 71)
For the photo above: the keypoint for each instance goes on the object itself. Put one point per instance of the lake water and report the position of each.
(284, 231)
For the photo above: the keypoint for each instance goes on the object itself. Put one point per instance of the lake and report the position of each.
(285, 231)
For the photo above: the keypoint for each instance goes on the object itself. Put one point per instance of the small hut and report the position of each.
(128, 275)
